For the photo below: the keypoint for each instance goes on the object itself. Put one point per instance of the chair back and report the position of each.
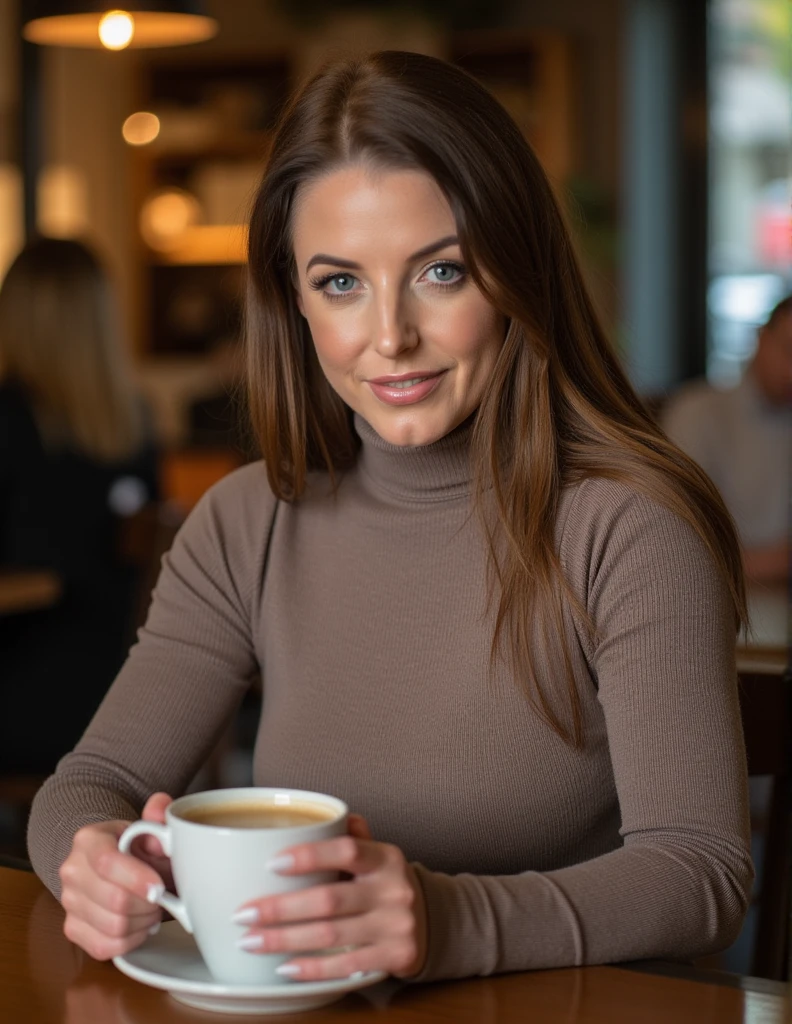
(766, 704)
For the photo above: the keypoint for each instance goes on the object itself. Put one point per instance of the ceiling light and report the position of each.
(96, 24)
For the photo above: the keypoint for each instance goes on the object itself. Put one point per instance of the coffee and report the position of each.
(248, 814)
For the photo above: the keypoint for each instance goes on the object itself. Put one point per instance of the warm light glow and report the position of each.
(62, 201)
(208, 244)
(151, 28)
(166, 216)
(116, 30)
(141, 128)
(12, 205)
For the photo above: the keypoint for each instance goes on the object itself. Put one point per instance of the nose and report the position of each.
(394, 330)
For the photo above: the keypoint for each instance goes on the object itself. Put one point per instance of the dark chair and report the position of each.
(766, 702)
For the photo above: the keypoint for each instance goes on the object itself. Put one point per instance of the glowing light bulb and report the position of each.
(116, 30)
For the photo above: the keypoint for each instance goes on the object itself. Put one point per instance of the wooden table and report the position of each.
(27, 591)
(46, 980)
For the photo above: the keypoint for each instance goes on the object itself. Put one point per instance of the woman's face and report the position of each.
(401, 331)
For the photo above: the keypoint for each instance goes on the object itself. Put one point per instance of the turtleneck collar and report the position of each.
(440, 471)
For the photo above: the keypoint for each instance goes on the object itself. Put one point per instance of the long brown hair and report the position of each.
(559, 407)
(60, 340)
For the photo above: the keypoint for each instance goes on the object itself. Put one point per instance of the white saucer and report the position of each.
(170, 960)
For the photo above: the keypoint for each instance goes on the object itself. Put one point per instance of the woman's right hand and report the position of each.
(105, 893)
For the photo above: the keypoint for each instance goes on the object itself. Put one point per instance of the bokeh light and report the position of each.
(166, 216)
(141, 128)
(116, 30)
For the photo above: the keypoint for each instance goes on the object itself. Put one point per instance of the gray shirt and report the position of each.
(744, 444)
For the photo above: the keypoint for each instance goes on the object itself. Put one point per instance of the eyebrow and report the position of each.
(336, 261)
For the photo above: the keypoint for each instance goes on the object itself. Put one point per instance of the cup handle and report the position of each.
(167, 900)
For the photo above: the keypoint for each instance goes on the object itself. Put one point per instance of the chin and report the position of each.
(409, 433)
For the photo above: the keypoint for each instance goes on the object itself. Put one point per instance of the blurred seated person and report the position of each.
(742, 438)
(76, 457)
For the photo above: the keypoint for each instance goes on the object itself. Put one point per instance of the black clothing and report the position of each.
(56, 514)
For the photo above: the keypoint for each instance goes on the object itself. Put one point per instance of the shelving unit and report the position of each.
(215, 121)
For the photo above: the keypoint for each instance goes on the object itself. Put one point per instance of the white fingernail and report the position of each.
(155, 892)
(155, 928)
(250, 942)
(282, 863)
(355, 975)
(249, 915)
(288, 970)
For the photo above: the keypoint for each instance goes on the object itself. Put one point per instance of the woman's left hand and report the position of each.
(379, 910)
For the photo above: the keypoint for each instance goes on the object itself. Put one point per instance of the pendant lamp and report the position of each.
(97, 24)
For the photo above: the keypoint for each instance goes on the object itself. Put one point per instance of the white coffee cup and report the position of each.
(217, 868)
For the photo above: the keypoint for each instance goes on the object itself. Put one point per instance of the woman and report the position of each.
(532, 708)
(74, 457)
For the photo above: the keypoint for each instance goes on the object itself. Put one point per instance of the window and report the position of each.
(750, 228)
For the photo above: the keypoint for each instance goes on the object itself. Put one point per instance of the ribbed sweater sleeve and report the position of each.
(182, 682)
(663, 662)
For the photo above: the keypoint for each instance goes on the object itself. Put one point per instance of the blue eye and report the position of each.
(342, 283)
(446, 273)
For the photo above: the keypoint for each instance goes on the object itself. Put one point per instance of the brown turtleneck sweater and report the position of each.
(365, 616)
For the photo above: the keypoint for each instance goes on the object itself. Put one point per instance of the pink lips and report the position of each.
(384, 390)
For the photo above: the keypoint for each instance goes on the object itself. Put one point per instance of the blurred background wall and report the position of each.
(672, 116)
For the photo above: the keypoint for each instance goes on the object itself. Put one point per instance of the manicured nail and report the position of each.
(155, 893)
(248, 915)
(355, 975)
(250, 942)
(282, 863)
(155, 928)
(288, 970)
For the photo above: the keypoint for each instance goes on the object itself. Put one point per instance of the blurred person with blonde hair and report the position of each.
(76, 456)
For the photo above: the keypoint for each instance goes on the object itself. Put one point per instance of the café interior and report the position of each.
(664, 128)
